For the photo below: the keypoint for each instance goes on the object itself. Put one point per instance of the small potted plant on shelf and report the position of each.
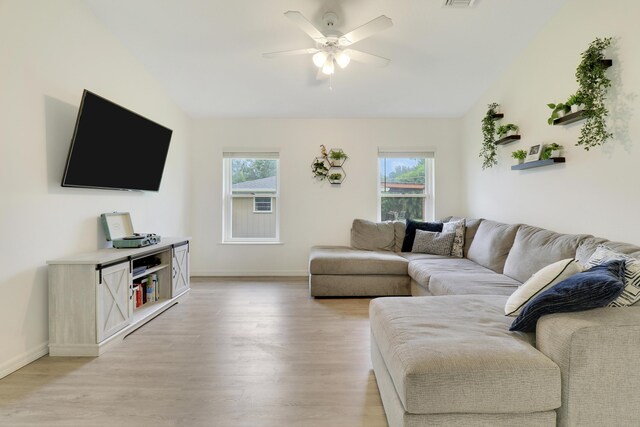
(576, 102)
(519, 155)
(337, 156)
(335, 178)
(551, 151)
(506, 130)
(558, 110)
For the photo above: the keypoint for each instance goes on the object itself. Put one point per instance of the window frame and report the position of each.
(228, 196)
(428, 202)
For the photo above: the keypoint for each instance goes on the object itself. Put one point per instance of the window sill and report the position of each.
(251, 243)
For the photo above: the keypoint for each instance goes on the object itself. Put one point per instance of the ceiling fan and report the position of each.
(333, 47)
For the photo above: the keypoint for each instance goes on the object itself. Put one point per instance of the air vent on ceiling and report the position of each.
(458, 3)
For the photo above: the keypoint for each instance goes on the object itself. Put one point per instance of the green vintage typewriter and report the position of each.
(119, 230)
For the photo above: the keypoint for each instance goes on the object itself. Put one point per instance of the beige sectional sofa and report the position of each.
(447, 357)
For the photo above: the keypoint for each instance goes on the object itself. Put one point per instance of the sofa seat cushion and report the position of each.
(344, 260)
(421, 270)
(455, 354)
(534, 248)
(412, 256)
(472, 283)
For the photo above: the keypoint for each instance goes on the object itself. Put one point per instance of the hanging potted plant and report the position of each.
(519, 155)
(593, 84)
(488, 151)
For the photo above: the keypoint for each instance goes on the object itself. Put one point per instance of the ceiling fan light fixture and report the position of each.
(328, 67)
(343, 59)
(319, 59)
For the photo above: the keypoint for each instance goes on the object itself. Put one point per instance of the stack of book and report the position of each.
(146, 290)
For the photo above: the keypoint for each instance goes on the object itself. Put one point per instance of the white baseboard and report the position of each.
(23, 359)
(269, 273)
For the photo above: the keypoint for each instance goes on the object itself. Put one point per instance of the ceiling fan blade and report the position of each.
(321, 75)
(367, 58)
(307, 51)
(306, 26)
(362, 32)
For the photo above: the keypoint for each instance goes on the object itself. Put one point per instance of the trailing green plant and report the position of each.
(335, 176)
(593, 84)
(556, 110)
(546, 152)
(519, 154)
(504, 129)
(488, 151)
(319, 168)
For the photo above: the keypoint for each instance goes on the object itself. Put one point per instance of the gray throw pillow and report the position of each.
(431, 242)
(457, 227)
(373, 236)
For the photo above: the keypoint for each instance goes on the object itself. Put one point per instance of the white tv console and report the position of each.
(91, 297)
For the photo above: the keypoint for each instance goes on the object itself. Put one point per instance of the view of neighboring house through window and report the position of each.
(250, 197)
(406, 185)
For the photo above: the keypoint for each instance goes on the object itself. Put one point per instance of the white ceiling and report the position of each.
(207, 54)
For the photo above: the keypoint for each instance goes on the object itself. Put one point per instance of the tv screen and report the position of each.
(115, 148)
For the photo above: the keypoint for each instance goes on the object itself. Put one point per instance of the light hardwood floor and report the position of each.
(236, 352)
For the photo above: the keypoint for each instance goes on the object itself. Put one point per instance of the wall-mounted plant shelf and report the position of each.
(569, 118)
(537, 163)
(507, 140)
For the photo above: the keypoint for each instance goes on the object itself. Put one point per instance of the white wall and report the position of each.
(312, 212)
(594, 192)
(50, 51)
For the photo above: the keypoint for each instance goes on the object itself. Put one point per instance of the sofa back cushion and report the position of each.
(373, 236)
(589, 246)
(534, 248)
(491, 244)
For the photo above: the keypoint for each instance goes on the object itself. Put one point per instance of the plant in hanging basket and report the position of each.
(593, 84)
(488, 151)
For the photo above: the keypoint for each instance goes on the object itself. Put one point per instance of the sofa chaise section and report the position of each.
(344, 271)
(452, 361)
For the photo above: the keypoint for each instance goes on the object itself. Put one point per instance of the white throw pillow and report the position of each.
(541, 280)
(631, 293)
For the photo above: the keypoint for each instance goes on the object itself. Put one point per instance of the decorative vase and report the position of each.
(520, 161)
(556, 153)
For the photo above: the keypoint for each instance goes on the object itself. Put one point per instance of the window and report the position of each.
(406, 185)
(262, 204)
(251, 192)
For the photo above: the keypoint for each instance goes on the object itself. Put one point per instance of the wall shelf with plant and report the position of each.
(538, 163)
(588, 102)
(329, 165)
(506, 134)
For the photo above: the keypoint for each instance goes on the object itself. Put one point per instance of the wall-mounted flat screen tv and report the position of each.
(115, 148)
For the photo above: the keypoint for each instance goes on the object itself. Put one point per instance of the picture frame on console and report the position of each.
(534, 153)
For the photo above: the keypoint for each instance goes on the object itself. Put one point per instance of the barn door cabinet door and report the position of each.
(113, 299)
(180, 270)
